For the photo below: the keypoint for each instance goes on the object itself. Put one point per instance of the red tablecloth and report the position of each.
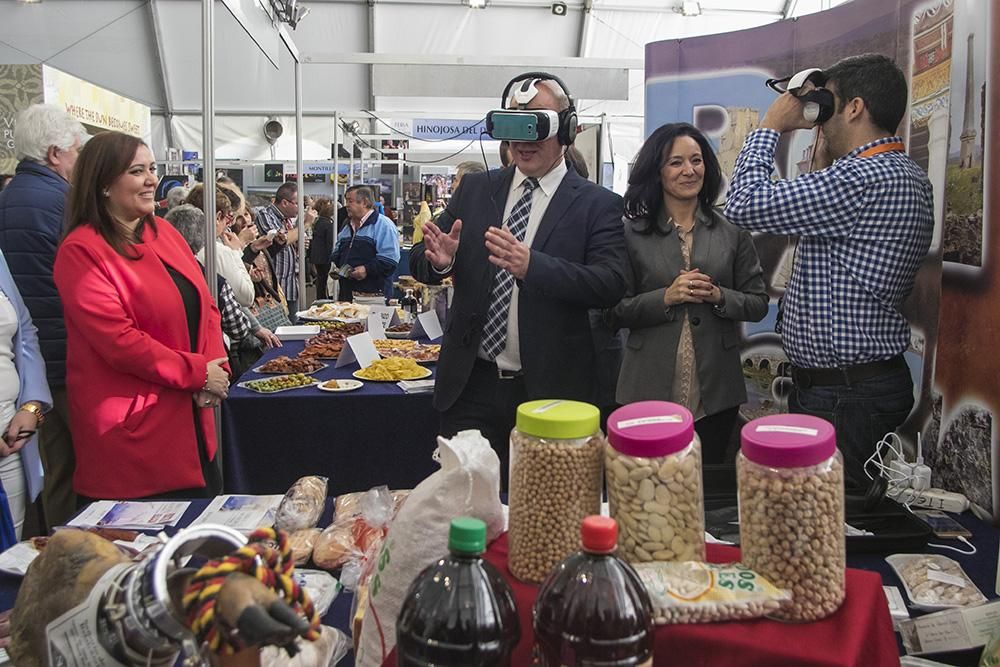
(859, 635)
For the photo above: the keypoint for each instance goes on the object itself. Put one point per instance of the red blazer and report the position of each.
(129, 378)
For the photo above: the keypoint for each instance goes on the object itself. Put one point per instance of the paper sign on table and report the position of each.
(389, 315)
(359, 348)
(136, 515)
(376, 329)
(950, 630)
(240, 512)
(428, 325)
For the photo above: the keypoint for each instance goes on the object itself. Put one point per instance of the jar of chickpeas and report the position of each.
(791, 496)
(556, 477)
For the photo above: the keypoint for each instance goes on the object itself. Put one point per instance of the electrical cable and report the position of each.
(961, 539)
(410, 136)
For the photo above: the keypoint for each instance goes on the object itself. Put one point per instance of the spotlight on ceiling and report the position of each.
(689, 8)
(476, 4)
(289, 11)
(559, 8)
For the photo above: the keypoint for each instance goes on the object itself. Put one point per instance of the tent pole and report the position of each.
(208, 139)
(336, 191)
(300, 185)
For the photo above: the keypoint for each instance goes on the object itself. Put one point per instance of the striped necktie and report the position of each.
(495, 330)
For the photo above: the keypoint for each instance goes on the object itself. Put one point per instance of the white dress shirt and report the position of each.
(510, 358)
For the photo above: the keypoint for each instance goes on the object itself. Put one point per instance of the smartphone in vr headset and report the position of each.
(522, 125)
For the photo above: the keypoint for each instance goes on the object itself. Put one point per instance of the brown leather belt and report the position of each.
(824, 377)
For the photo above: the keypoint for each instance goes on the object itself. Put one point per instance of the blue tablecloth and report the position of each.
(359, 439)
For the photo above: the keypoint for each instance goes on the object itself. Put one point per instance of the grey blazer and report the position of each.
(724, 252)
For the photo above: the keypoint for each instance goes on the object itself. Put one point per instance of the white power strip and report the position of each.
(937, 499)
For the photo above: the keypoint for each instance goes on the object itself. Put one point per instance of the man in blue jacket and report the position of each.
(47, 141)
(367, 249)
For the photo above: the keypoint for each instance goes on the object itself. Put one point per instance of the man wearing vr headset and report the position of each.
(531, 247)
(865, 222)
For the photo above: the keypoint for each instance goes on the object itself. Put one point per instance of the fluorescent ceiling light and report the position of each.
(689, 8)
(477, 4)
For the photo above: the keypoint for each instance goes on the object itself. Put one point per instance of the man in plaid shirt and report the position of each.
(865, 223)
(280, 216)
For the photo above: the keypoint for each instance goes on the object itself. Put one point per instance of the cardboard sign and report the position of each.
(388, 313)
(359, 348)
(375, 327)
(428, 325)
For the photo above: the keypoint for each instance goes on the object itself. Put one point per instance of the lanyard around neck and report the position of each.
(891, 147)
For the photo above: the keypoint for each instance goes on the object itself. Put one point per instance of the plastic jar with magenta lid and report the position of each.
(653, 469)
(556, 477)
(791, 495)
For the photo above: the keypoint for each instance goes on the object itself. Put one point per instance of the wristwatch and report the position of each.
(36, 410)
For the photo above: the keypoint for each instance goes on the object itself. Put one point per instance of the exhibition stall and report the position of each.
(340, 498)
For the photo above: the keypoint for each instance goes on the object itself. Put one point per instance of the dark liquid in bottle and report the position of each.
(593, 610)
(459, 611)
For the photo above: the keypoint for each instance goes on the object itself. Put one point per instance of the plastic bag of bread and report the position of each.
(347, 504)
(355, 528)
(328, 649)
(301, 543)
(302, 505)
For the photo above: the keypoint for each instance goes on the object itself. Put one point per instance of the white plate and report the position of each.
(296, 332)
(246, 384)
(343, 385)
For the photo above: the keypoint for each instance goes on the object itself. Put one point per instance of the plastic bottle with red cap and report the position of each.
(593, 609)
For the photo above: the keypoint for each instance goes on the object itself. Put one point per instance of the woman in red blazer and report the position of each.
(144, 342)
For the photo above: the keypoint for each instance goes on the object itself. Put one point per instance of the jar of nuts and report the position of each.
(653, 469)
(791, 495)
(556, 457)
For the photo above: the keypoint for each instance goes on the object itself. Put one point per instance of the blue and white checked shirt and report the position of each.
(286, 257)
(866, 224)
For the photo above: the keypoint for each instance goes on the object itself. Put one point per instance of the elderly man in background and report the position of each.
(47, 141)
(367, 250)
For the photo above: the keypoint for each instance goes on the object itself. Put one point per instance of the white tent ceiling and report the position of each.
(403, 58)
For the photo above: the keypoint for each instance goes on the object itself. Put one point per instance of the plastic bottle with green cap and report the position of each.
(459, 610)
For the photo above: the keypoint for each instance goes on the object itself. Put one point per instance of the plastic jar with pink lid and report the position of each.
(653, 469)
(791, 494)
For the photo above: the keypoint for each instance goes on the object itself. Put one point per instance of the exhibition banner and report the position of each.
(20, 87)
(717, 83)
(95, 106)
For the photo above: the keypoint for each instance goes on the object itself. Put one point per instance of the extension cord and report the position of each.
(937, 499)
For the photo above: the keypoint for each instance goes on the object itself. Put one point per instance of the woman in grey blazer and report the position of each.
(691, 277)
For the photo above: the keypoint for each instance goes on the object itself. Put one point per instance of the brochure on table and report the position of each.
(427, 325)
(130, 514)
(360, 348)
(242, 513)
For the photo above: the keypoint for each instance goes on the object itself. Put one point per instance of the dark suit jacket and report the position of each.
(724, 252)
(577, 263)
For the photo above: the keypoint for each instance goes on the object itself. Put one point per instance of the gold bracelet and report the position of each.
(34, 409)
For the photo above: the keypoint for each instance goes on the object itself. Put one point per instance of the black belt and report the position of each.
(820, 377)
(496, 370)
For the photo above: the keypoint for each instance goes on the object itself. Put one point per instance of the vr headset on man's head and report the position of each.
(523, 124)
(817, 103)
